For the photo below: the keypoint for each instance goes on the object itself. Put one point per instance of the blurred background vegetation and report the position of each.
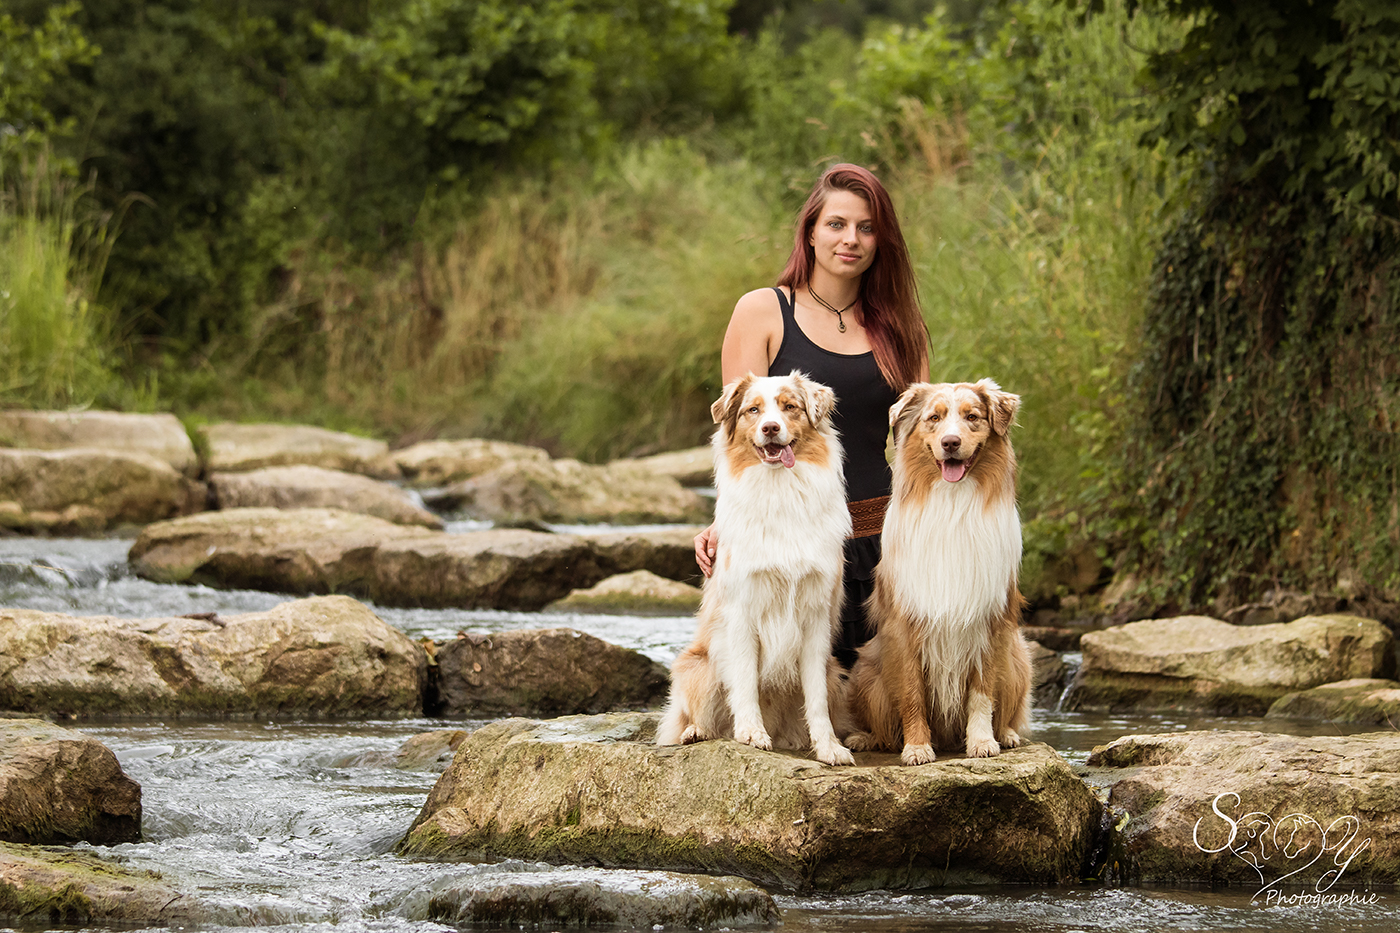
(530, 219)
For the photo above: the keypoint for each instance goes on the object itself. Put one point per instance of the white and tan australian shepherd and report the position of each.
(757, 670)
(947, 667)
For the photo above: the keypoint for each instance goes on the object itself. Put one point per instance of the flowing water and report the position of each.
(291, 825)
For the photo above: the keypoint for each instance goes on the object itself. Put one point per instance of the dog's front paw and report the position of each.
(917, 754)
(983, 748)
(754, 736)
(831, 752)
(1012, 739)
(693, 734)
(860, 742)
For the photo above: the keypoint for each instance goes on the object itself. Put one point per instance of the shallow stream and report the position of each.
(290, 826)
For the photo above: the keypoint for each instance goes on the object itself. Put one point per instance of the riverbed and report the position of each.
(291, 825)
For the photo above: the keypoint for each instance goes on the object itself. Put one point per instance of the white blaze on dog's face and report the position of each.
(773, 419)
(954, 421)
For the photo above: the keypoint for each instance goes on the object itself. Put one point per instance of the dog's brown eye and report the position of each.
(972, 416)
(790, 407)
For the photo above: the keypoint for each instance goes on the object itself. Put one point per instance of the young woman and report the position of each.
(845, 312)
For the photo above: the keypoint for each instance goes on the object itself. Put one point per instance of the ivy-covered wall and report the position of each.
(1265, 419)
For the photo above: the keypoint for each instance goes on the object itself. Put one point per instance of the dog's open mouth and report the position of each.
(778, 453)
(955, 470)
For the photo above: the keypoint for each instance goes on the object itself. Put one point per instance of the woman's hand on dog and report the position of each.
(705, 544)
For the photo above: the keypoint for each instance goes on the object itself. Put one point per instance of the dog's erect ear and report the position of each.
(729, 400)
(1001, 406)
(819, 399)
(906, 407)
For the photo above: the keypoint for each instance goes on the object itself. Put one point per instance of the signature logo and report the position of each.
(1294, 849)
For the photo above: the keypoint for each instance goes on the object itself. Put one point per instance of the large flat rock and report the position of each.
(694, 466)
(591, 897)
(544, 672)
(42, 885)
(160, 436)
(640, 592)
(87, 490)
(598, 791)
(1197, 663)
(326, 656)
(1252, 808)
(1364, 701)
(568, 491)
(60, 786)
(437, 463)
(311, 487)
(238, 447)
(326, 550)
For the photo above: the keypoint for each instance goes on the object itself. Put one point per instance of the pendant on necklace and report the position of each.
(840, 324)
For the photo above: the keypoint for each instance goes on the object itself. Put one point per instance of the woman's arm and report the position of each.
(755, 332)
(754, 335)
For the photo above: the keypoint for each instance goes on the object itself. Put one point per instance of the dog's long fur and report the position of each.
(947, 666)
(757, 668)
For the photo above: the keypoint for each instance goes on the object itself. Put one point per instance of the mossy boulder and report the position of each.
(590, 897)
(234, 448)
(161, 436)
(60, 786)
(569, 491)
(1363, 701)
(326, 550)
(84, 490)
(546, 672)
(598, 791)
(1251, 808)
(312, 487)
(43, 885)
(640, 592)
(325, 656)
(1198, 663)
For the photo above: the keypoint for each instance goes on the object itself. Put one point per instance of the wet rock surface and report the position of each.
(1198, 663)
(49, 885)
(61, 786)
(310, 487)
(84, 491)
(544, 672)
(326, 550)
(1253, 809)
(597, 790)
(326, 656)
(583, 897)
(160, 436)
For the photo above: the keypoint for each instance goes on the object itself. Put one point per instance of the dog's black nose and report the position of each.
(770, 428)
(951, 443)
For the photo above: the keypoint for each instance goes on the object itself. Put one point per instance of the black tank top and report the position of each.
(863, 400)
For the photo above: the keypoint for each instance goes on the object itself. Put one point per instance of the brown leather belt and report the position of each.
(868, 516)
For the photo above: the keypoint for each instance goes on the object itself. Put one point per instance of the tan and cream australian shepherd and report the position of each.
(757, 668)
(947, 667)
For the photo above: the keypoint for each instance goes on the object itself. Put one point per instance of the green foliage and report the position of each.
(1264, 442)
(31, 60)
(55, 340)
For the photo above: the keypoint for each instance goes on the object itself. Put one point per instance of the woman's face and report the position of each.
(843, 238)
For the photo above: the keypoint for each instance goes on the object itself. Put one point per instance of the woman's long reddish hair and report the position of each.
(889, 298)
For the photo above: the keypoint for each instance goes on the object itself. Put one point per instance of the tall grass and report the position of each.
(585, 312)
(55, 337)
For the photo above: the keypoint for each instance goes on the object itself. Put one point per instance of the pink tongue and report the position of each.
(786, 456)
(953, 471)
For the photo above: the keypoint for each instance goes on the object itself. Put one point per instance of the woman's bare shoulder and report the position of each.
(760, 307)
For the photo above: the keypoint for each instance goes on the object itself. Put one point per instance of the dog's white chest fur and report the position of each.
(953, 559)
